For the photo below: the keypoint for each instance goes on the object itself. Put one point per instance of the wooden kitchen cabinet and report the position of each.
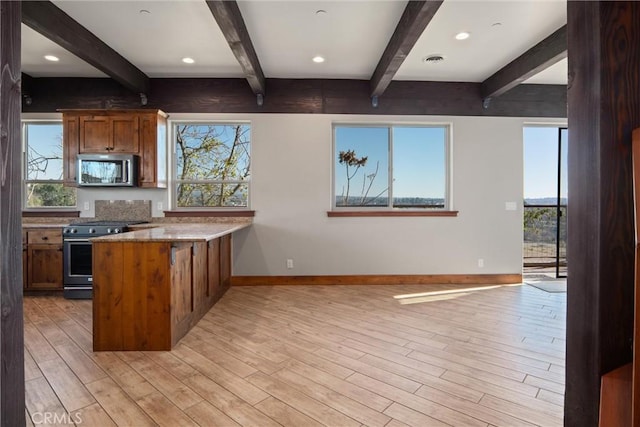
(153, 150)
(70, 148)
(225, 262)
(213, 268)
(148, 294)
(108, 134)
(43, 260)
(24, 259)
(138, 132)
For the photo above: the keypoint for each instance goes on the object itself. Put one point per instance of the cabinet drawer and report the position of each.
(53, 236)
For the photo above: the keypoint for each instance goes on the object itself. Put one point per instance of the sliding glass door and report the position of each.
(545, 200)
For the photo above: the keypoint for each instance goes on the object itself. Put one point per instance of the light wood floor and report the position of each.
(311, 356)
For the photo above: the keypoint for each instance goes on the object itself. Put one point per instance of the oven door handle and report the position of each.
(77, 240)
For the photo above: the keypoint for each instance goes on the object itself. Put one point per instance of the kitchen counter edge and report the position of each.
(201, 232)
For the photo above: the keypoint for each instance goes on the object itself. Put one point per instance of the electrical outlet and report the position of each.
(86, 206)
(159, 206)
(480, 262)
(289, 263)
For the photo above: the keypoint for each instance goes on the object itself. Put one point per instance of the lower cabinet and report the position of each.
(42, 260)
(148, 295)
(225, 262)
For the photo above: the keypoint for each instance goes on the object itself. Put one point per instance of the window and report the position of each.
(391, 167)
(212, 165)
(42, 169)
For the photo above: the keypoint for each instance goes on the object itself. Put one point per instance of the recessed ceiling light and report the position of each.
(51, 58)
(462, 35)
(144, 11)
(188, 60)
(321, 12)
(318, 59)
(496, 24)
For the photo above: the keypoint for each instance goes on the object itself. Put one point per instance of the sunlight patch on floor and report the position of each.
(440, 295)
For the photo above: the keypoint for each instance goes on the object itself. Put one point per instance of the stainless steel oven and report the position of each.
(77, 261)
(78, 257)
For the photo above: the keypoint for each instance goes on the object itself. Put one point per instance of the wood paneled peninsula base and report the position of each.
(151, 286)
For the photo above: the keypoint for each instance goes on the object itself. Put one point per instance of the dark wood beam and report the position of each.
(303, 96)
(540, 57)
(414, 20)
(50, 21)
(227, 15)
(604, 108)
(12, 406)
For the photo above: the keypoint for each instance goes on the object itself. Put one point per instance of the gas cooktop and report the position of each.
(97, 228)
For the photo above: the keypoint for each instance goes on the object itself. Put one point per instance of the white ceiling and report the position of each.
(352, 35)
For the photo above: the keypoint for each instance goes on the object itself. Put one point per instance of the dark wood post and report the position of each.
(11, 326)
(604, 107)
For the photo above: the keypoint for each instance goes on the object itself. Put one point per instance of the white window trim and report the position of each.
(448, 161)
(172, 166)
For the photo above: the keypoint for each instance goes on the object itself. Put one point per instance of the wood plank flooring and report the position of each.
(410, 355)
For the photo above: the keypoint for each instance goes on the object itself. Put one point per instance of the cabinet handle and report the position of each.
(45, 238)
(173, 255)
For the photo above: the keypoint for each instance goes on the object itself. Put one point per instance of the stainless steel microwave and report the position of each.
(107, 170)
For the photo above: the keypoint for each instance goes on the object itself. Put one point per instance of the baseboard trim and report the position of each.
(389, 279)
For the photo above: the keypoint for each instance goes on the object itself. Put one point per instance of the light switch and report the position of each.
(511, 206)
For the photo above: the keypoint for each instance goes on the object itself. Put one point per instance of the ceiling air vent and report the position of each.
(433, 59)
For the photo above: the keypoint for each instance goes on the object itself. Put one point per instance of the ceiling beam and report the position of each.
(227, 15)
(414, 20)
(540, 57)
(50, 21)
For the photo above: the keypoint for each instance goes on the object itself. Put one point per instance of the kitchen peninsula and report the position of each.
(151, 286)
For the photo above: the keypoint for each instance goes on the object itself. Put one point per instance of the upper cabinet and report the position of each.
(140, 132)
(110, 134)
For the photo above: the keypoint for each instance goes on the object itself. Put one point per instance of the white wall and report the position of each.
(291, 194)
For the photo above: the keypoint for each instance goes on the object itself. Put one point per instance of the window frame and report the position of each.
(446, 210)
(173, 169)
(25, 181)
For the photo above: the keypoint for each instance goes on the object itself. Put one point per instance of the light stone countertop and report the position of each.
(175, 233)
(41, 225)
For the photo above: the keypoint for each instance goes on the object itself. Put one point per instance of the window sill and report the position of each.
(60, 213)
(197, 213)
(390, 213)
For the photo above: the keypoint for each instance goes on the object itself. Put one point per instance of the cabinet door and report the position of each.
(181, 293)
(70, 147)
(124, 134)
(148, 143)
(199, 281)
(95, 134)
(44, 266)
(225, 262)
(213, 274)
(153, 150)
(24, 267)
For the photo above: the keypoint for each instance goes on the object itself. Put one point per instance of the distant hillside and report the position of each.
(545, 201)
(398, 202)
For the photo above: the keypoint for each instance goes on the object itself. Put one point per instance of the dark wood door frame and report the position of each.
(604, 108)
(11, 323)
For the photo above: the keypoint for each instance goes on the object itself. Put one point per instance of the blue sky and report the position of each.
(46, 139)
(541, 162)
(418, 165)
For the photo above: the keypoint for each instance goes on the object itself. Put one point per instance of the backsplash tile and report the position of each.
(117, 210)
